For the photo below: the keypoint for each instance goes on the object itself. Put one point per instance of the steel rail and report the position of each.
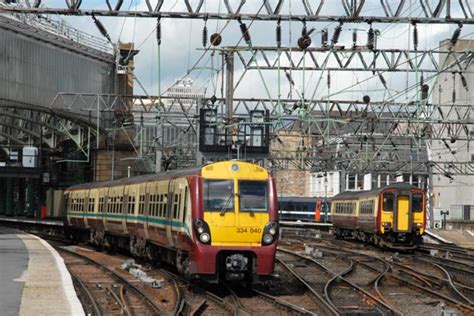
(122, 298)
(123, 308)
(452, 261)
(283, 303)
(325, 304)
(353, 285)
(238, 306)
(450, 248)
(90, 297)
(180, 304)
(453, 286)
(199, 309)
(149, 300)
(412, 284)
(216, 299)
(332, 280)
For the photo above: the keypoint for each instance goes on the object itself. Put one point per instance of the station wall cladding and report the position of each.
(37, 65)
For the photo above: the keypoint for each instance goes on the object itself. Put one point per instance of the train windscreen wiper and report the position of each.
(224, 208)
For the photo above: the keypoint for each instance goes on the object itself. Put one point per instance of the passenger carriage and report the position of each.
(393, 216)
(219, 220)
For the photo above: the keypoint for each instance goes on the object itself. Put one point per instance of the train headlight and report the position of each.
(267, 239)
(419, 224)
(270, 233)
(204, 238)
(202, 231)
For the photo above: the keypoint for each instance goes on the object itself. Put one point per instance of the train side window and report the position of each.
(175, 206)
(417, 202)
(388, 202)
(165, 205)
(160, 205)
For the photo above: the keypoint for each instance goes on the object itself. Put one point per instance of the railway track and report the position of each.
(100, 287)
(341, 296)
(189, 298)
(455, 295)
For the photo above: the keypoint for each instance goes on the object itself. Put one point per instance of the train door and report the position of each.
(403, 213)
(169, 211)
(86, 207)
(125, 202)
(317, 212)
(146, 210)
(105, 208)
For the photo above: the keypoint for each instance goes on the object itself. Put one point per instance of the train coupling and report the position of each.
(236, 266)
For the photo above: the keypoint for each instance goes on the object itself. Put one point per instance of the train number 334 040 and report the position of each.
(242, 230)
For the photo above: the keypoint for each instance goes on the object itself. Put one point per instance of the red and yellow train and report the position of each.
(393, 216)
(211, 222)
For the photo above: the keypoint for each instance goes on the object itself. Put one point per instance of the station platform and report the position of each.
(26, 220)
(462, 238)
(33, 277)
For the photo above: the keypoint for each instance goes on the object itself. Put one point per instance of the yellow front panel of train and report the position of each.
(235, 203)
(247, 230)
(403, 213)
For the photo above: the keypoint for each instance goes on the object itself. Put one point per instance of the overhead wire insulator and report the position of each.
(324, 38)
(454, 88)
(382, 79)
(337, 33)
(158, 31)
(204, 36)
(245, 32)
(424, 92)
(354, 38)
(101, 28)
(304, 30)
(371, 39)
(464, 82)
(456, 34)
(278, 33)
(415, 37)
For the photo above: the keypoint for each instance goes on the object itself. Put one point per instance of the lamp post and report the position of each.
(444, 214)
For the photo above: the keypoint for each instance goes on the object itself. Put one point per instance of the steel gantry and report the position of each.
(383, 11)
(388, 135)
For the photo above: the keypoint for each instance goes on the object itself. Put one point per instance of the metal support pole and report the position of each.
(9, 197)
(30, 199)
(2, 196)
(21, 198)
(229, 60)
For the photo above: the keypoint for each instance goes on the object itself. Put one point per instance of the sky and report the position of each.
(182, 54)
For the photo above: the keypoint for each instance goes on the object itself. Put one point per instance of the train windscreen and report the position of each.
(417, 202)
(219, 195)
(253, 196)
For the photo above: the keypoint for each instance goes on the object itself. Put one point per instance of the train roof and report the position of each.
(196, 170)
(356, 194)
(137, 179)
(301, 199)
